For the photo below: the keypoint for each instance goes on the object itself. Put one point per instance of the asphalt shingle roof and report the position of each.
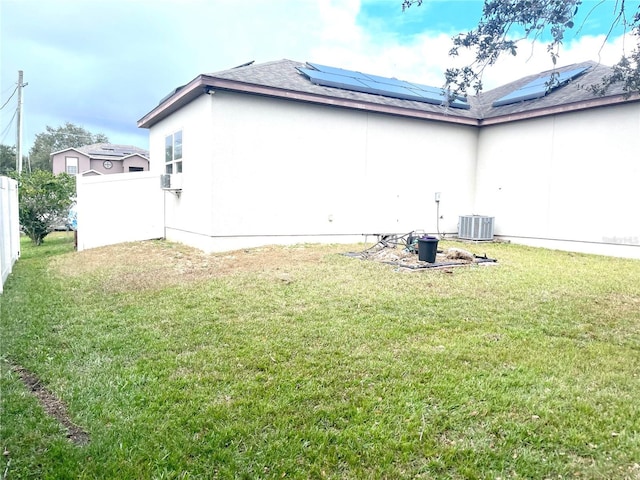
(282, 79)
(110, 150)
(283, 74)
(574, 91)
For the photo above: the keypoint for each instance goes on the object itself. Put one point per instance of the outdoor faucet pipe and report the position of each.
(438, 217)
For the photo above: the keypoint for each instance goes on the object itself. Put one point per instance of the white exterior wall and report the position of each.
(567, 181)
(259, 170)
(125, 207)
(9, 227)
(188, 215)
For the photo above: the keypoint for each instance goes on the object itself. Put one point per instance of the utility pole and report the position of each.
(19, 135)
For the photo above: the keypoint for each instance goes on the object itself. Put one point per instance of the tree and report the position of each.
(505, 22)
(7, 159)
(55, 139)
(44, 201)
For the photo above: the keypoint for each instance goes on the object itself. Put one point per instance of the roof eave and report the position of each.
(196, 87)
(189, 92)
(562, 108)
(66, 150)
(91, 170)
(134, 155)
(203, 83)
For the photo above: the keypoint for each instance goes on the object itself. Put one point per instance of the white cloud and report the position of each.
(338, 22)
(427, 57)
(533, 58)
(122, 56)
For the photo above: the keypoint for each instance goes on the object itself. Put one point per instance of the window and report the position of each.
(71, 165)
(136, 169)
(173, 153)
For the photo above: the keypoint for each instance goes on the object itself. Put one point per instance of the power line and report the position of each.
(5, 91)
(6, 130)
(14, 92)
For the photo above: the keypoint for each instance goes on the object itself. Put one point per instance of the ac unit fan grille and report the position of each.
(475, 227)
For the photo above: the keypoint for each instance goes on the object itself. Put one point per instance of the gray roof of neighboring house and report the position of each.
(282, 79)
(108, 151)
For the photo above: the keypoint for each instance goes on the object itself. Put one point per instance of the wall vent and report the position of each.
(475, 227)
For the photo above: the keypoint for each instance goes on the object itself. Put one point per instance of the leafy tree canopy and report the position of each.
(7, 159)
(44, 200)
(55, 139)
(505, 22)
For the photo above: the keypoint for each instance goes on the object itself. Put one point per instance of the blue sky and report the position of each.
(449, 17)
(454, 16)
(103, 64)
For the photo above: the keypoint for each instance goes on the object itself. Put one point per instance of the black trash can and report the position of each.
(427, 249)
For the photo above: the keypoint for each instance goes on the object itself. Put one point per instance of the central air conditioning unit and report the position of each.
(171, 182)
(475, 227)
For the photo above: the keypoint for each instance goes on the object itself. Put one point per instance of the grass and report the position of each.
(298, 362)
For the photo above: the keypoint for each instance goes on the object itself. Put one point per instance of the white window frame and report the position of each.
(71, 165)
(173, 153)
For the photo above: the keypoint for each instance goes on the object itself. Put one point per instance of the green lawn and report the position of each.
(303, 363)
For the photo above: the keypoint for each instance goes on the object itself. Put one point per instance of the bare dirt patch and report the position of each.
(52, 405)
(158, 264)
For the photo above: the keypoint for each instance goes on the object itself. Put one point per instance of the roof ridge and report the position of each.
(107, 143)
(251, 65)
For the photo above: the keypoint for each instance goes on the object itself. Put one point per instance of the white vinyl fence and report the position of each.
(9, 227)
(123, 207)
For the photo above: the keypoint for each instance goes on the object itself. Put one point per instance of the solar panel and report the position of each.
(387, 80)
(522, 94)
(395, 91)
(337, 71)
(559, 80)
(427, 88)
(460, 102)
(440, 96)
(571, 74)
(539, 82)
(539, 87)
(378, 85)
(337, 81)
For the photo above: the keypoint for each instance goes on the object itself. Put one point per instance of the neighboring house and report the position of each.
(99, 159)
(285, 152)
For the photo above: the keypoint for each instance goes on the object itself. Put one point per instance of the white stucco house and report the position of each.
(286, 152)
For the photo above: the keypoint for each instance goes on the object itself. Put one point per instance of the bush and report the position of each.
(44, 201)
